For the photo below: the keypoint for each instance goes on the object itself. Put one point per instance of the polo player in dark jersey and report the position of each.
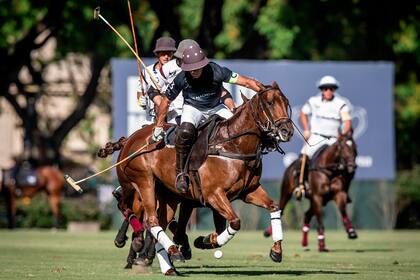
(201, 82)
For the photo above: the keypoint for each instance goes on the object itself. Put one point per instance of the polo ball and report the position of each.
(218, 254)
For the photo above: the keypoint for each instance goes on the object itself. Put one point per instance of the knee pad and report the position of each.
(185, 135)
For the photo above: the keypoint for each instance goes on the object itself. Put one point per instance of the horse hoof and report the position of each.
(267, 233)
(323, 250)
(128, 266)
(175, 254)
(199, 242)
(276, 257)
(119, 243)
(172, 272)
(186, 252)
(352, 234)
(204, 242)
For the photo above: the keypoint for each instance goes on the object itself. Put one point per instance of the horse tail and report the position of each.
(111, 147)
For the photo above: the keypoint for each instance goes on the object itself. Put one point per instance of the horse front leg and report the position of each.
(341, 201)
(260, 198)
(221, 204)
(317, 208)
(145, 185)
(180, 235)
(307, 226)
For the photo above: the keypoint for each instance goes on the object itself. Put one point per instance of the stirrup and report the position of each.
(299, 192)
(187, 179)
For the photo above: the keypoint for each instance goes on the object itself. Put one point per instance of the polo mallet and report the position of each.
(75, 184)
(97, 15)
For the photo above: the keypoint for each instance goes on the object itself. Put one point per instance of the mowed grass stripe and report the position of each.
(375, 255)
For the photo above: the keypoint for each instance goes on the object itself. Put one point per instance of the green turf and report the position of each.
(375, 255)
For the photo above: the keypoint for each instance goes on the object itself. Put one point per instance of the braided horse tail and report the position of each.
(111, 147)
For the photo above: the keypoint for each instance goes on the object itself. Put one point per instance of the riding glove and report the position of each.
(143, 101)
(158, 134)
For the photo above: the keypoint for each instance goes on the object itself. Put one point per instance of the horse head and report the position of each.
(272, 113)
(347, 152)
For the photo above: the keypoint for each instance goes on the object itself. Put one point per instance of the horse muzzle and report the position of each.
(284, 130)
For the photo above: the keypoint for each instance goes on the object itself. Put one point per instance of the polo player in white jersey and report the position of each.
(164, 51)
(329, 114)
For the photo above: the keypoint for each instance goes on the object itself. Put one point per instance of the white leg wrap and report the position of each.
(321, 237)
(163, 258)
(276, 226)
(161, 237)
(225, 236)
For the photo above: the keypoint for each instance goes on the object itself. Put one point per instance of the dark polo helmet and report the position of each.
(184, 44)
(164, 44)
(193, 58)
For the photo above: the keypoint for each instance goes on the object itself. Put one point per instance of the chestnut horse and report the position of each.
(330, 175)
(49, 179)
(231, 169)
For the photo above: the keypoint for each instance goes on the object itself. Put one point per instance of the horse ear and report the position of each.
(275, 85)
(244, 98)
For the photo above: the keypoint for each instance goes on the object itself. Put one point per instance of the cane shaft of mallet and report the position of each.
(133, 51)
(77, 187)
(302, 166)
(134, 36)
(73, 184)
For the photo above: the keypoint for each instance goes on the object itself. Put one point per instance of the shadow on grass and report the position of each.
(363, 250)
(267, 272)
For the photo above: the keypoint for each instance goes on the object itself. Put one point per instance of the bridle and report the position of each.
(271, 126)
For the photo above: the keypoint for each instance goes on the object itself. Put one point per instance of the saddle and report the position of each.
(199, 151)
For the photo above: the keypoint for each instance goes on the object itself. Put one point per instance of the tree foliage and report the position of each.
(260, 29)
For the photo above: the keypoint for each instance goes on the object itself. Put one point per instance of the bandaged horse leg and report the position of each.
(164, 240)
(306, 226)
(148, 196)
(221, 204)
(317, 210)
(341, 201)
(260, 198)
(166, 266)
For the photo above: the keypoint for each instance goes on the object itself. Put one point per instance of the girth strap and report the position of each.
(247, 157)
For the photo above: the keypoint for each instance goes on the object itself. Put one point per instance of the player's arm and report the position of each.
(228, 100)
(246, 82)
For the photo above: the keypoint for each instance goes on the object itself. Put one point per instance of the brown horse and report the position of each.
(48, 179)
(231, 169)
(330, 173)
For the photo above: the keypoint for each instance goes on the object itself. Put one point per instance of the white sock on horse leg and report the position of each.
(161, 237)
(276, 226)
(163, 258)
(226, 235)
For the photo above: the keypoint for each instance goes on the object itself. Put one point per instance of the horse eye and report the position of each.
(270, 102)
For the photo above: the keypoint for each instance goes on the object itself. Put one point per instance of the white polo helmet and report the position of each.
(328, 81)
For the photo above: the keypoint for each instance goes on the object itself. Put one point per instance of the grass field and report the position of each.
(375, 255)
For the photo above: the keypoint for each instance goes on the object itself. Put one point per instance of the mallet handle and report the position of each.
(131, 49)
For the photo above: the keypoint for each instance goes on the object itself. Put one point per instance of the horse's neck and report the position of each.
(330, 155)
(240, 123)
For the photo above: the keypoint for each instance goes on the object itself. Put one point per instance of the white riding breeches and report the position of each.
(195, 116)
(316, 141)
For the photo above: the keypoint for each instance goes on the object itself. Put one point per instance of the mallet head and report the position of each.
(96, 12)
(73, 184)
